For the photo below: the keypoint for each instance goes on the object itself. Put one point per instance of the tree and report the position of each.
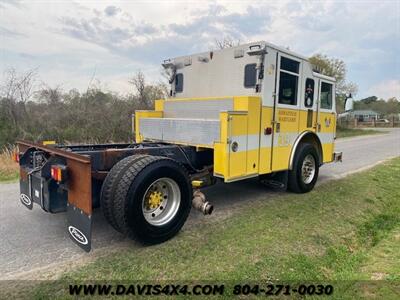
(16, 90)
(147, 93)
(139, 83)
(50, 95)
(226, 42)
(388, 108)
(335, 68)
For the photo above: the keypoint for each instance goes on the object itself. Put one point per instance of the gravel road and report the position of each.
(34, 241)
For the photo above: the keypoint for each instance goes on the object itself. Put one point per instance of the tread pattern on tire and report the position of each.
(121, 205)
(108, 189)
(293, 180)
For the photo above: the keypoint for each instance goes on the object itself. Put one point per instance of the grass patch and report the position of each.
(331, 234)
(383, 261)
(9, 170)
(350, 132)
(378, 226)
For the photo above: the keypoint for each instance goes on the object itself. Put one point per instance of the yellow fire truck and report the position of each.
(255, 110)
(259, 108)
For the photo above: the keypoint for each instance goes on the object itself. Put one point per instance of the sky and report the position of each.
(72, 42)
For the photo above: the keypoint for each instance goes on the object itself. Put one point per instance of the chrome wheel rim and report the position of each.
(161, 201)
(308, 169)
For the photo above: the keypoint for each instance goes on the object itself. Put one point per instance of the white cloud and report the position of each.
(386, 89)
(68, 40)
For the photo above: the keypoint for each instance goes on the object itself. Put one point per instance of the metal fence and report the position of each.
(354, 123)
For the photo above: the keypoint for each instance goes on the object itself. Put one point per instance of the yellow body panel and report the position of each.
(265, 160)
(286, 128)
(327, 150)
(237, 165)
(220, 159)
(253, 107)
(221, 156)
(327, 121)
(245, 126)
(237, 126)
(252, 161)
(265, 150)
(303, 117)
(280, 158)
(159, 105)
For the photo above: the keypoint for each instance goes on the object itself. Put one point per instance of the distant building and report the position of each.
(365, 115)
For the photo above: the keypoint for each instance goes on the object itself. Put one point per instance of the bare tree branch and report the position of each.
(139, 83)
(226, 42)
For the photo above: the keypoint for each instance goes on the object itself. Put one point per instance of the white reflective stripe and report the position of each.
(241, 141)
(288, 138)
(265, 140)
(253, 141)
(246, 142)
(326, 137)
(282, 139)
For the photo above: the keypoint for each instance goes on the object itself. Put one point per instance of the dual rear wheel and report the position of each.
(147, 198)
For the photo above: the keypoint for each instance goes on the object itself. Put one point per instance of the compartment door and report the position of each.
(237, 129)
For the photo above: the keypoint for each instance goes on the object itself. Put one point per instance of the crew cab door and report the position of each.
(326, 125)
(286, 110)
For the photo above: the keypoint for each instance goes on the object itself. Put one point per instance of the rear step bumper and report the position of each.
(73, 196)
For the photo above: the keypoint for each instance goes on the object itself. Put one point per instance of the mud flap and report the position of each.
(25, 190)
(79, 227)
(26, 201)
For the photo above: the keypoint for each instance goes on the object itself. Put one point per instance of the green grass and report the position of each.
(383, 261)
(8, 176)
(9, 170)
(350, 132)
(341, 232)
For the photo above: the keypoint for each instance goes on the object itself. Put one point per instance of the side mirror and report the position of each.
(348, 104)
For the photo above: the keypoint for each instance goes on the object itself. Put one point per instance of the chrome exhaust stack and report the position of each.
(199, 202)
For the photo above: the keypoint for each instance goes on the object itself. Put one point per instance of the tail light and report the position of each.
(58, 173)
(15, 156)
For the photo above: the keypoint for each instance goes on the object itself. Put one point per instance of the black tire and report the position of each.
(296, 183)
(109, 188)
(130, 192)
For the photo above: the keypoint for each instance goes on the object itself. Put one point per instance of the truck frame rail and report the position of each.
(84, 168)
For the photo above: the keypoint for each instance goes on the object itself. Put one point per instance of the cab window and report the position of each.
(326, 95)
(179, 83)
(250, 74)
(290, 65)
(309, 93)
(288, 81)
